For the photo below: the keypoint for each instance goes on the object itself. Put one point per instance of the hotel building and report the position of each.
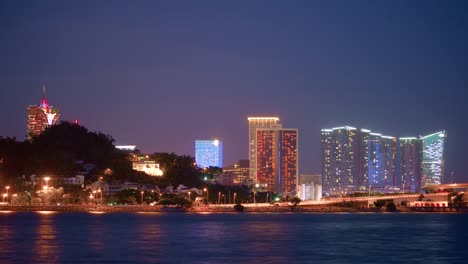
(277, 159)
(42, 116)
(254, 124)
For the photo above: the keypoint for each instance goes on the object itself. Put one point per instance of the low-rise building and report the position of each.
(310, 187)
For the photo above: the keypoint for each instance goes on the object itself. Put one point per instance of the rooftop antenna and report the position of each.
(43, 90)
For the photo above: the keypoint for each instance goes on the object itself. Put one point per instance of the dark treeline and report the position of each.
(67, 149)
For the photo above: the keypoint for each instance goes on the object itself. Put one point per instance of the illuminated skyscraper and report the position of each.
(209, 153)
(352, 159)
(277, 159)
(382, 151)
(410, 149)
(340, 148)
(254, 124)
(433, 158)
(42, 116)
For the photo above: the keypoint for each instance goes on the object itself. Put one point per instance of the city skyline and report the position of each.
(176, 73)
(354, 159)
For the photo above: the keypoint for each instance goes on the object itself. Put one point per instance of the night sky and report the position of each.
(162, 74)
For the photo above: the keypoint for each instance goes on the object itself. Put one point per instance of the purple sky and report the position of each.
(162, 74)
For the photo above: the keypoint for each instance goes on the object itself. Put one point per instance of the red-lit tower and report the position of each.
(42, 116)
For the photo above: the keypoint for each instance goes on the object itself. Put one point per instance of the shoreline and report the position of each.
(214, 209)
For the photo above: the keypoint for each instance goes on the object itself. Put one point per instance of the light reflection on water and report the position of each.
(6, 247)
(232, 238)
(45, 247)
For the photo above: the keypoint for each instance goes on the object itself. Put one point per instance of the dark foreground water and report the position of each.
(233, 238)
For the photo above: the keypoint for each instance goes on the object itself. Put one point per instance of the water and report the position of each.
(232, 238)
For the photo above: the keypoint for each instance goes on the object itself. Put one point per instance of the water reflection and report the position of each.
(150, 241)
(97, 234)
(268, 240)
(45, 247)
(6, 245)
(232, 238)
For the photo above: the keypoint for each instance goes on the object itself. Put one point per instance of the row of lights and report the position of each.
(5, 195)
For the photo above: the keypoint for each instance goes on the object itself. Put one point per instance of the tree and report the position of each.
(295, 201)
(239, 207)
(391, 207)
(379, 203)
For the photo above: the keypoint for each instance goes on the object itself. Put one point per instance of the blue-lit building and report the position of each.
(209, 153)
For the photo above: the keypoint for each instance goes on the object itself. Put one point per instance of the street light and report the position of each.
(189, 193)
(219, 197)
(4, 195)
(7, 188)
(142, 192)
(235, 198)
(206, 190)
(368, 198)
(100, 195)
(254, 197)
(152, 191)
(46, 179)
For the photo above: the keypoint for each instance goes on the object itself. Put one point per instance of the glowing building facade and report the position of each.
(149, 167)
(433, 158)
(410, 150)
(240, 171)
(353, 159)
(340, 148)
(381, 160)
(42, 116)
(254, 124)
(277, 159)
(209, 153)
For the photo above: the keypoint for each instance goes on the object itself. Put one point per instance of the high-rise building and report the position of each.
(209, 153)
(254, 124)
(382, 152)
(277, 159)
(353, 159)
(340, 152)
(410, 150)
(433, 158)
(42, 116)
